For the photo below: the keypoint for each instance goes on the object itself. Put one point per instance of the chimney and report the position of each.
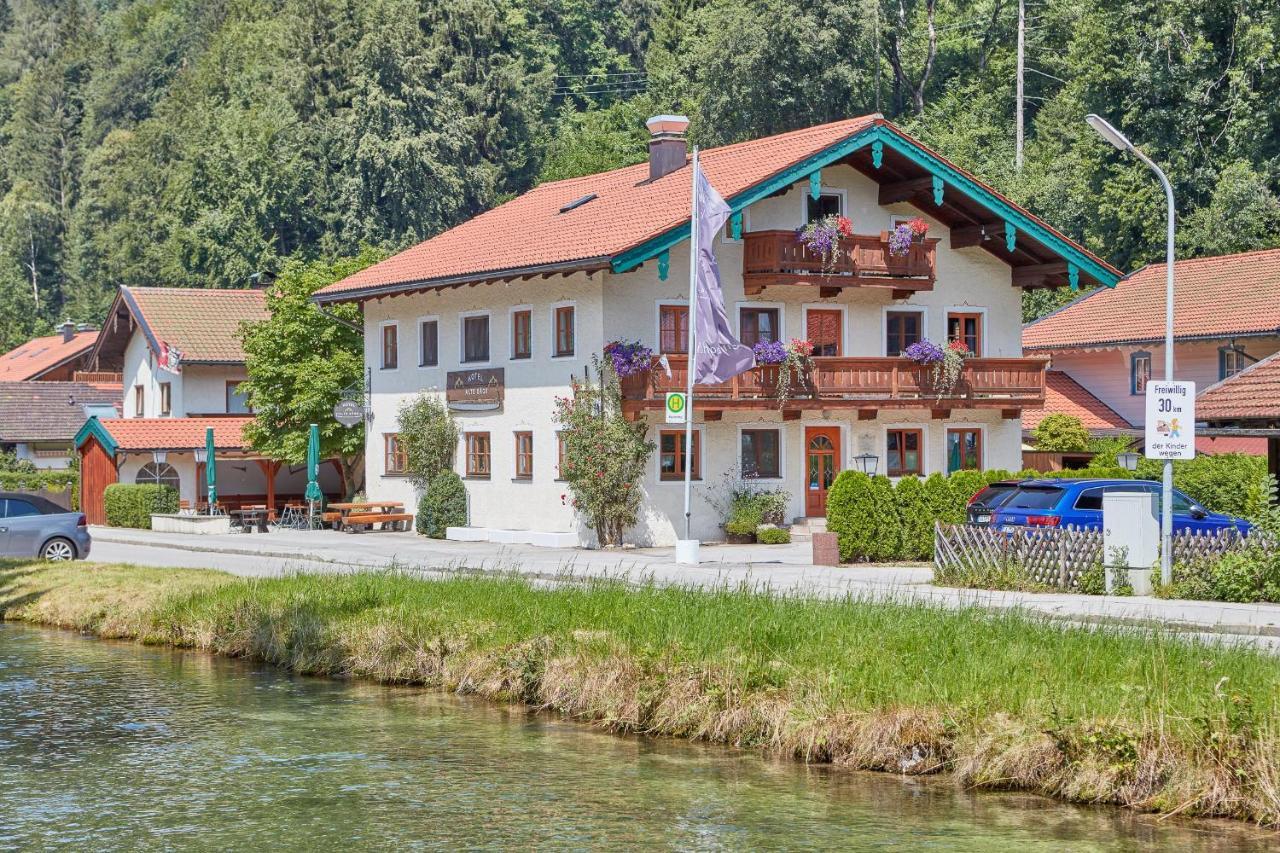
(667, 146)
(68, 331)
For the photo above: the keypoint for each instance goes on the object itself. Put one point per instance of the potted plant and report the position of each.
(905, 235)
(629, 358)
(945, 363)
(823, 237)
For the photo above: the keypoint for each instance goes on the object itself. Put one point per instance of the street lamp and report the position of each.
(867, 463)
(1120, 141)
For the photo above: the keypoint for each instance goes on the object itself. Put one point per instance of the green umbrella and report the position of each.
(210, 469)
(313, 492)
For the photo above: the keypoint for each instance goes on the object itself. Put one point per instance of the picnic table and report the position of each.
(250, 517)
(359, 516)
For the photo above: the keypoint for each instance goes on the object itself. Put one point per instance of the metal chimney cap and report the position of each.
(667, 125)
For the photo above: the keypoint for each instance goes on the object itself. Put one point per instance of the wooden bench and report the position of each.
(354, 522)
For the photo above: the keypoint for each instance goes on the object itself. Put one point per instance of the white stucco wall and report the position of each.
(200, 389)
(26, 453)
(1107, 372)
(612, 307)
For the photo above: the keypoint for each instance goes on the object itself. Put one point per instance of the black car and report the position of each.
(989, 499)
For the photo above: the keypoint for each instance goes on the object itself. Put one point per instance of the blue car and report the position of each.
(1078, 503)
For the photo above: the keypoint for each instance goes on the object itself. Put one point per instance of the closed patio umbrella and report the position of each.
(313, 493)
(210, 469)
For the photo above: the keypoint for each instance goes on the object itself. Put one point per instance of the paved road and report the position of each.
(784, 569)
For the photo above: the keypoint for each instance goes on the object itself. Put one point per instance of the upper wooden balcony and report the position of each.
(872, 383)
(778, 257)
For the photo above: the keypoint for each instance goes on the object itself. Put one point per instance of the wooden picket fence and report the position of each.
(1051, 556)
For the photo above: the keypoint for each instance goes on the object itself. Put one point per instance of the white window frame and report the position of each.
(781, 428)
(827, 306)
(462, 339)
(551, 315)
(511, 333)
(922, 310)
(429, 318)
(382, 350)
(980, 427)
(824, 190)
(970, 309)
(702, 454)
(736, 319)
(658, 305)
(926, 468)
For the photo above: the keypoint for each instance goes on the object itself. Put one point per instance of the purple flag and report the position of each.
(719, 355)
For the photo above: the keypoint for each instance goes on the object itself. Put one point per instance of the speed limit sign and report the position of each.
(1171, 420)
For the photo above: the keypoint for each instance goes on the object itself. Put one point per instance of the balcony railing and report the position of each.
(839, 382)
(98, 377)
(777, 257)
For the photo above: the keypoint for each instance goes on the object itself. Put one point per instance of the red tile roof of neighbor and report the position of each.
(1253, 393)
(138, 434)
(40, 355)
(531, 231)
(1216, 445)
(1064, 395)
(1215, 297)
(49, 411)
(204, 323)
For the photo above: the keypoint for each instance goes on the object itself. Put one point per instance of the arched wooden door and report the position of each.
(821, 464)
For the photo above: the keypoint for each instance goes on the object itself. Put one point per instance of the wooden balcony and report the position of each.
(852, 383)
(98, 377)
(777, 257)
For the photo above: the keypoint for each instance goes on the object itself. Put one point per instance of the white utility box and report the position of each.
(1131, 526)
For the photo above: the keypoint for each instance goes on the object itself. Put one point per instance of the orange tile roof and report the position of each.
(140, 434)
(1253, 393)
(1064, 395)
(1214, 297)
(204, 323)
(1250, 445)
(40, 355)
(531, 232)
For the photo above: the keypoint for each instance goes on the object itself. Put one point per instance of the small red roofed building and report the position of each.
(52, 358)
(179, 354)
(1111, 341)
(1245, 407)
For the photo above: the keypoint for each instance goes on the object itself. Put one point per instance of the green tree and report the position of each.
(299, 362)
(1061, 433)
(428, 437)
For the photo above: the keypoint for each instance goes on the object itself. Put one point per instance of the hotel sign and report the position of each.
(475, 390)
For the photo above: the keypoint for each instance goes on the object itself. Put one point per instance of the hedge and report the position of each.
(132, 505)
(878, 521)
(443, 505)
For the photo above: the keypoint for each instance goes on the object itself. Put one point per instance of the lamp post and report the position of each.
(1120, 141)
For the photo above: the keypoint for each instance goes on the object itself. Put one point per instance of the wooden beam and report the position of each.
(791, 414)
(712, 414)
(904, 190)
(828, 292)
(1034, 274)
(941, 414)
(866, 414)
(899, 293)
(1011, 414)
(966, 236)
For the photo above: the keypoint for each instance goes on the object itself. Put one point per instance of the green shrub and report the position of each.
(1234, 483)
(428, 436)
(773, 536)
(964, 485)
(1093, 581)
(995, 475)
(1061, 433)
(1248, 576)
(915, 519)
(443, 505)
(744, 520)
(1091, 473)
(862, 512)
(130, 505)
(940, 499)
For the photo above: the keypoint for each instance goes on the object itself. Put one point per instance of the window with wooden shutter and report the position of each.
(673, 329)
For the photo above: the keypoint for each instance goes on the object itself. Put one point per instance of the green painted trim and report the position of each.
(664, 265)
(1073, 276)
(937, 190)
(877, 153)
(633, 257)
(93, 428)
(735, 225)
(1010, 236)
(815, 184)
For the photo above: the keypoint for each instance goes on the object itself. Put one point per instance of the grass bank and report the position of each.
(997, 699)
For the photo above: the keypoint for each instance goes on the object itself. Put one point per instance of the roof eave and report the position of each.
(1177, 339)
(360, 294)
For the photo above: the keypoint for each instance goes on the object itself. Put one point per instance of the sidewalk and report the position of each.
(780, 568)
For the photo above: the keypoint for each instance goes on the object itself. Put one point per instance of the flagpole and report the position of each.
(693, 350)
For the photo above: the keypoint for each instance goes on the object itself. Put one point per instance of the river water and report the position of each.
(117, 746)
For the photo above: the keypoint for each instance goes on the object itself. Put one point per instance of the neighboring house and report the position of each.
(54, 358)
(39, 420)
(1245, 407)
(1064, 395)
(1111, 341)
(179, 353)
(500, 312)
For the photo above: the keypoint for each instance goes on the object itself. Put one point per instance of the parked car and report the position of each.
(32, 526)
(1078, 503)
